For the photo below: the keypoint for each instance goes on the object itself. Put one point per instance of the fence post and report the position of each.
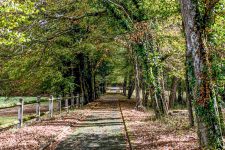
(38, 108)
(59, 104)
(51, 106)
(20, 112)
(66, 104)
(72, 100)
(77, 101)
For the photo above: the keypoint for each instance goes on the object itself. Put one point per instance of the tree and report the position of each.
(197, 18)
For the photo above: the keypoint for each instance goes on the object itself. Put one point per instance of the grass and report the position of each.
(8, 121)
(12, 101)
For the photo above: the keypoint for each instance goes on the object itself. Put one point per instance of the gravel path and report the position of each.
(102, 128)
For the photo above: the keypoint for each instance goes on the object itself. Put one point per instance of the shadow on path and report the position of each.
(102, 129)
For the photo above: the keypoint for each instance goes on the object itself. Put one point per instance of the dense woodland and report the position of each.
(167, 53)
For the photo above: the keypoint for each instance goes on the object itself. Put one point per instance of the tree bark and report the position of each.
(189, 93)
(207, 115)
(219, 100)
(159, 104)
(143, 90)
(180, 93)
(223, 94)
(145, 98)
(93, 85)
(130, 86)
(125, 86)
(81, 77)
(173, 92)
(137, 85)
(163, 90)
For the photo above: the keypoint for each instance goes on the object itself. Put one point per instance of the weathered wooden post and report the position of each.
(38, 108)
(72, 100)
(77, 101)
(51, 106)
(66, 104)
(20, 112)
(59, 99)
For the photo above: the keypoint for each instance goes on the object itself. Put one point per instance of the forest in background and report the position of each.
(150, 47)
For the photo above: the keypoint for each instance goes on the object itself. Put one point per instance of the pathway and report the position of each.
(102, 129)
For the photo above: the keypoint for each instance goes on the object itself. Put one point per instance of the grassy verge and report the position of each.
(8, 121)
(12, 101)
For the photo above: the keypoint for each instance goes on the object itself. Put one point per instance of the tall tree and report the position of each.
(197, 18)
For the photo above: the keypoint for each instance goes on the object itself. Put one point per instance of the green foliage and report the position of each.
(13, 15)
(209, 116)
(41, 41)
(8, 121)
(58, 47)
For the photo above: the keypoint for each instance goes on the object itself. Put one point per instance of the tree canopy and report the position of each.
(63, 46)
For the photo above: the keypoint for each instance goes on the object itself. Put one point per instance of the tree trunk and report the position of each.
(88, 80)
(159, 104)
(137, 85)
(152, 98)
(143, 89)
(130, 86)
(189, 93)
(81, 77)
(93, 85)
(223, 94)
(125, 86)
(145, 99)
(163, 90)
(220, 109)
(180, 93)
(173, 91)
(95, 88)
(207, 115)
(159, 95)
(221, 117)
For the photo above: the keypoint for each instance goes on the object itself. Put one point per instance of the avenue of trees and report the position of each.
(168, 53)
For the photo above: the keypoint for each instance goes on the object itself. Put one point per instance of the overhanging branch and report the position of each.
(92, 14)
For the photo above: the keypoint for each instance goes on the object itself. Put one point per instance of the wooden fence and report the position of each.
(78, 99)
(75, 102)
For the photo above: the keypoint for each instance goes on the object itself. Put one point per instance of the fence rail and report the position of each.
(69, 103)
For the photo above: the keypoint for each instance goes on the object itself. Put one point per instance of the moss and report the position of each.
(27, 118)
(7, 121)
(208, 116)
